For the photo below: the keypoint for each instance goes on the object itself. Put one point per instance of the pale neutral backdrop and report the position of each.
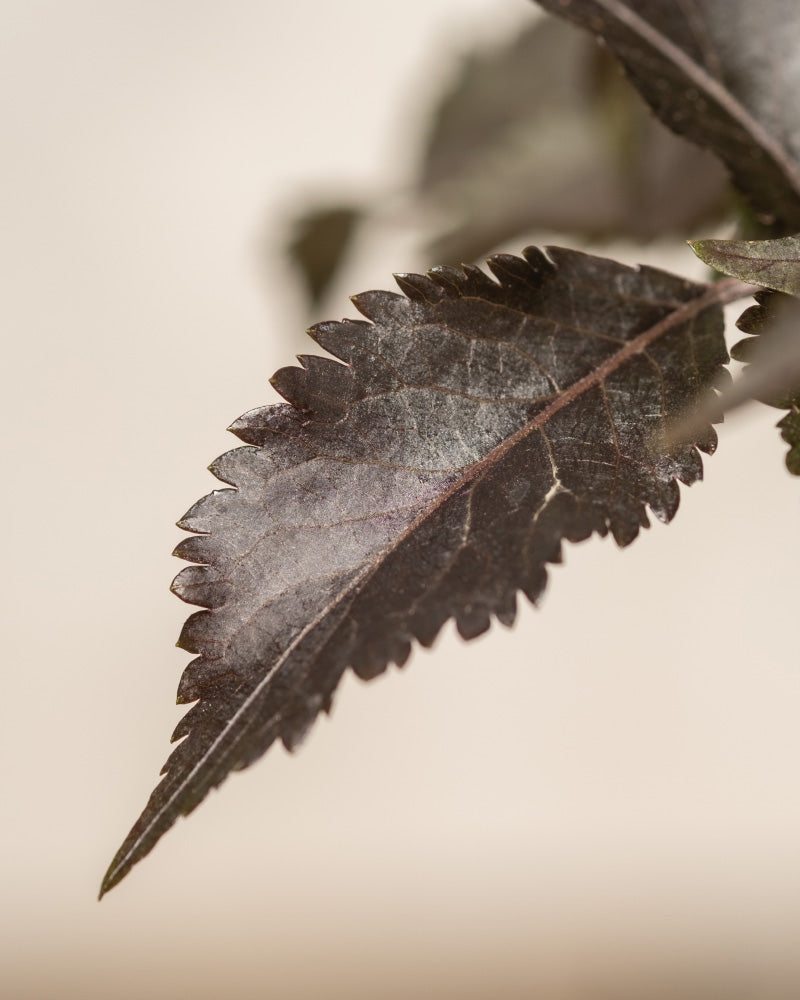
(604, 798)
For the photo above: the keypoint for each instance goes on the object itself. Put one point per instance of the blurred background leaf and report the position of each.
(544, 133)
(319, 245)
(537, 133)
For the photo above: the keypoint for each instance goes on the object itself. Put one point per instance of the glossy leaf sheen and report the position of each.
(724, 73)
(474, 425)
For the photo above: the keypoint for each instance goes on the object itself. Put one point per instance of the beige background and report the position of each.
(604, 798)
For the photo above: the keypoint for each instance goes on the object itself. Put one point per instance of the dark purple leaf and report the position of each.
(473, 427)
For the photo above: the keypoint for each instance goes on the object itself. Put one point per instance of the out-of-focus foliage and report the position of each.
(319, 245)
(538, 133)
(544, 133)
(724, 73)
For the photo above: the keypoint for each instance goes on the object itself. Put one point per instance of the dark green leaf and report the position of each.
(724, 73)
(473, 427)
(772, 263)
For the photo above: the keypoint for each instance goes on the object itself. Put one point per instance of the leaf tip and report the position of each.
(701, 248)
(115, 874)
(239, 425)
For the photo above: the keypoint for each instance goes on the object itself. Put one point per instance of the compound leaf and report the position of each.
(472, 427)
(725, 74)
